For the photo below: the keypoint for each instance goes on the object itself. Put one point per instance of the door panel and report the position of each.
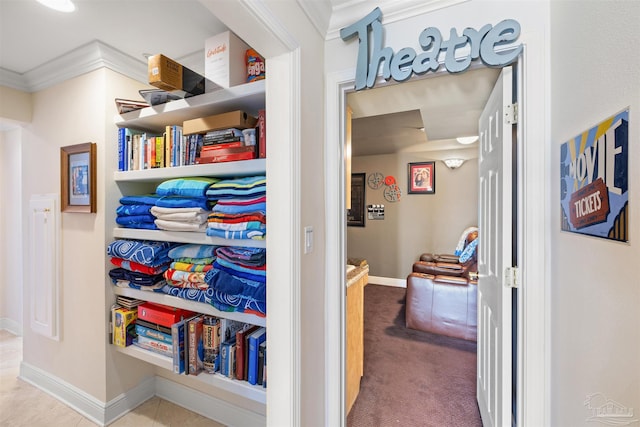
(494, 256)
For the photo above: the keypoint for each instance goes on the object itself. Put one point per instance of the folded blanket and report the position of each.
(238, 226)
(193, 251)
(257, 273)
(145, 252)
(141, 199)
(238, 273)
(198, 261)
(134, 277)
(219, 300)
(186, 187)
(184, 276)
(251, 186)
(235, 218)
(242, 200)
(180, 226)
(135, 219)
(140, 268)
(186, 284)
(227, 234)
(238, 209)
(138, 225)
(184, 202)
(128, 210)
(185, 266)
(236, 286)
(246, 256)
(180, 214)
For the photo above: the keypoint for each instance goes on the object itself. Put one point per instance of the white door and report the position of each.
(494, 256)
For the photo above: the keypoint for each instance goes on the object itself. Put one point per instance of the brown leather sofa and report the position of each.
(443, 305)
(447, 265)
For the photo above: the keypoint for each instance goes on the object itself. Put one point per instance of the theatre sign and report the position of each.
(594, 180)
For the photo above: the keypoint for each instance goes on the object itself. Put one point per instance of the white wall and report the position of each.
(595, 295)
(10, 227)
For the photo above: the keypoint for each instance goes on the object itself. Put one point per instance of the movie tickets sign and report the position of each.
(594, 180)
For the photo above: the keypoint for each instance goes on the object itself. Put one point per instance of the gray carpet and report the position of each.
(411, 378)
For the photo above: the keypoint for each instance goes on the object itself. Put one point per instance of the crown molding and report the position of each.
(319, 13)
(392, 11)
(84, 59)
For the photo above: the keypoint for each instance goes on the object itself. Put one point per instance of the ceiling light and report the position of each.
(465, 140)
(59, 5)
(453, 163)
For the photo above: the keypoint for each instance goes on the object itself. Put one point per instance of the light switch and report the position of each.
(308, 239)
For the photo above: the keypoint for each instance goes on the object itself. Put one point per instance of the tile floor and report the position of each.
(22, 404)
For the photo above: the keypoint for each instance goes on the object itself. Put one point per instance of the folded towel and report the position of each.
(245, 234)
(180, 226)
(145, 252)
(192, 251)
(187, 187)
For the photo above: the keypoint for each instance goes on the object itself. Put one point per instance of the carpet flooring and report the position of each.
(411, 378)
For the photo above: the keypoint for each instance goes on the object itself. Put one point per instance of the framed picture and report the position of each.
(355, 215)
(421, 178)
(78, 177)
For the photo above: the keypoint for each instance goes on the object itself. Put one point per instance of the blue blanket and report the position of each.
(236, 286)
(145, 252)
(186, 187)
(192, 251)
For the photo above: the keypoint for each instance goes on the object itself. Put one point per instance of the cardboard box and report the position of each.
(233, 119)
(124, 325)
(225, 62)
(167, 74)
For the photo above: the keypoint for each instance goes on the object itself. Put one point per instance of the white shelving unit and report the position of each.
(250, 98)
(253, 392)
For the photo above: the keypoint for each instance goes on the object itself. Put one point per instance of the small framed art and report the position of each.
(421, 178)
(78, 177)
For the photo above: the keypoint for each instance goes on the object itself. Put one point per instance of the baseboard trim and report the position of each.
(104, 414)
(85, 404)
(388, 281)
(207, 406)
(11, 325)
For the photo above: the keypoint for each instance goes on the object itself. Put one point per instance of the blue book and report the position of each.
(122, 149)
(177, 335)
(255, 339)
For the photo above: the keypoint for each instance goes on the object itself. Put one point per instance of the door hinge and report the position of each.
(512, 277)
(511, 114)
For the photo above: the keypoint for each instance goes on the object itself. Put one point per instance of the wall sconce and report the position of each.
(453, 163)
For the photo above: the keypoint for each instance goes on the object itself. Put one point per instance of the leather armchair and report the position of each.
(444, 305)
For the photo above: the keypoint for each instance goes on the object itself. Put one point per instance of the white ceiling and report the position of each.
(34, 40)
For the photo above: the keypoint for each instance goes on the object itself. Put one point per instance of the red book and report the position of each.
(262, 134)
(162, 314)
(241, 352)
(216, 157)
(222, 146)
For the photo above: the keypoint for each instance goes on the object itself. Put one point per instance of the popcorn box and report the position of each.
(124, 325)
(224, 62)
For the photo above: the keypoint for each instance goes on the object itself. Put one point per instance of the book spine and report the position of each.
(255, 339)
(262, 134)
(196, 364)
(226, 157)
(167, 147)
(177, 336)
(211, 343)
(129, 146)
(213, 147)
(261, 350)
(121, 148)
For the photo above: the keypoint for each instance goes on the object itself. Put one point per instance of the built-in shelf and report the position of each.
(218, 170)
(243, 388)
(198, 307)
(193, 237)
(249, 97)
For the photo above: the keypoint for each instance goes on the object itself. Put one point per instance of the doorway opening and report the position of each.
(427, 223)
